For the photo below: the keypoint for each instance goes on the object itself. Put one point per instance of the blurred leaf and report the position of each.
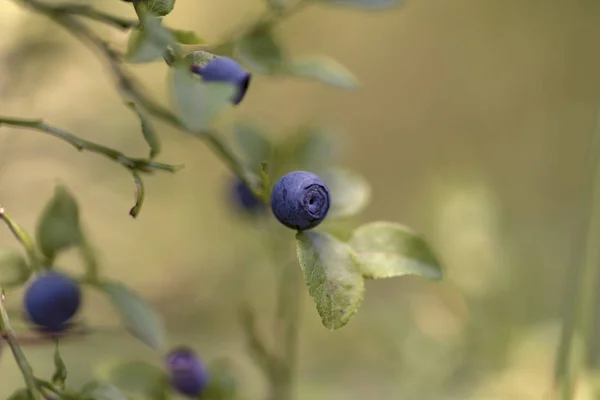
(387, 249)
(60, 369)
(350, 192)
(14, 270)
(371, 5)
(332, 276)
(58, 226)
(308, 148)
(186, 37)
(260, 51)
(198, 103)
(148, 131)
(141, 49)
(226, 49)
(140, 319)
(160, 7)
(255, 147)
(276, 5)
(139, 377)
(323, 69)
(222, 384)
(20, 394)
(97, 390)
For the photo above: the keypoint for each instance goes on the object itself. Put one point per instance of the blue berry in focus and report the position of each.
(51, 300)
(300, 200)
(244, 199)
(224, 69)
(188, 375)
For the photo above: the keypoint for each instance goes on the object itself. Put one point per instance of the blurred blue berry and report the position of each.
(224, 69)
(300, 200)
(188, 375)
(244, 199)
(51, 300)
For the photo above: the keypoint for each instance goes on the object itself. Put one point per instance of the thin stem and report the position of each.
(9, 336)
(580, 287)
(84, 10)
(23, 237)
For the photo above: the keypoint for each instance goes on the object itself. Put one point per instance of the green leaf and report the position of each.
(97, 390)
(323, 69)
(198, 103)
(141, 49)
(58, 226)
(60, 369)
(20, 394)
(140, 319)
(387, 249)
(222, 384)
(140, 378)
(255, 147)
(369, 5)
(14, 270)
(332, 276)
(147, 130)
(186, 37)
(350, 192)
(260, 51)
(310, 148)
(160, 7)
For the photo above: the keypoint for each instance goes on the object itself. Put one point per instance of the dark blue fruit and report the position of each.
(188, 375)
(244, 199)
(300, 200)
(51, 300)
(224, 69)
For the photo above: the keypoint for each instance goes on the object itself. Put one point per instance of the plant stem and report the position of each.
(578, 315)
(23, 237)
(9, 335)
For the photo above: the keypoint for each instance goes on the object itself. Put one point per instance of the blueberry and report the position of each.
(245, 199)
(188, 375)
(300, 200)
(51, 300)
(224, 69)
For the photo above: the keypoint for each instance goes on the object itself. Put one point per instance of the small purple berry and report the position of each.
(51, 300)
(188, 375)
(244, 198)
(225, 69)
(300, 200)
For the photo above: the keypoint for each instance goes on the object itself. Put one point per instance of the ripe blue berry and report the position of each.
(224, 69)
(51, 300)
(244, 199)
(188, 375)
(300, 200)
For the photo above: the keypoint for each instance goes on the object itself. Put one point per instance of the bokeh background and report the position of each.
(472, 124)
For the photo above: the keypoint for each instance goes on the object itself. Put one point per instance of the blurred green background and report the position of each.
(472, 124)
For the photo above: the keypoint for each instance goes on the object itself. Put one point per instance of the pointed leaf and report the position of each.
(60, 369)
(309, 148)
(198, 103)
(260, 51)
(141, 49)
(387, 249)
(186, 37)
(332, 276)
(139, 377)
(14, 270)
(97, 390)
(140, 319)
(350, 192)
(369, 5)
(323, 69)
(255, 147)
(58, 227)
(148, 131)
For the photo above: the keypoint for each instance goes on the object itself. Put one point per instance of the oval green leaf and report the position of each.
(198, 103)
(369, 5)
(332, 276)
(254, 146)
(387, 250)
(14, 270)
(350, 192)
(260, 51)
(58, 226)
(148, 130)
(139, 318)
(97, 390)
(138, 377)
(323, 69)
(141, 49)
